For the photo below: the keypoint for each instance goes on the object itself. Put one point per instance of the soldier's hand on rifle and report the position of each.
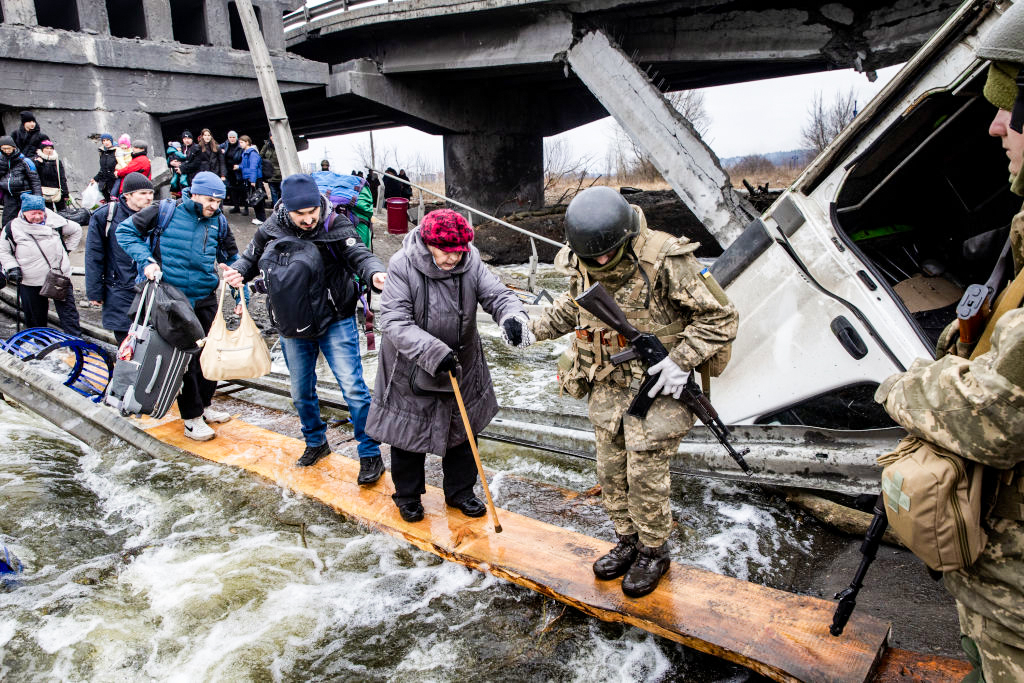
(515, 331)
(671, 378)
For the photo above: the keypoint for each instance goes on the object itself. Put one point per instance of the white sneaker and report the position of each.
(257, 221)
(197, 430)
(211, 415)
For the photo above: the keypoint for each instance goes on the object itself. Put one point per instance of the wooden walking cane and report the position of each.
(476, 453)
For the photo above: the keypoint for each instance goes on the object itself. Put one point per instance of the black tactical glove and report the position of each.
(513, 328)
(515, 331)
(447, 364)
(14, 276)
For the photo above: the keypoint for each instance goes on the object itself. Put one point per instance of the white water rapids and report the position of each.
(140, 568)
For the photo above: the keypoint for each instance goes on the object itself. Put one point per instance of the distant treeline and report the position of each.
(763, 163)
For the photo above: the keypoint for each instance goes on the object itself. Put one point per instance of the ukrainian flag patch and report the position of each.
(705, 273)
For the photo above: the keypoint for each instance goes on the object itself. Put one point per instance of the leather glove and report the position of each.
(447, 364)
(671, 378)
(14, 276)
(515, 331)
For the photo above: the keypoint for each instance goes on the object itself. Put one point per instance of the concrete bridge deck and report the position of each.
(492, 76)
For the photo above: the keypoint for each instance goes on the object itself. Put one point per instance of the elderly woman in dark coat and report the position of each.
(428, 320)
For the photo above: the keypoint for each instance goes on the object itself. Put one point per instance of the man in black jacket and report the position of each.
(302, 214)
(110, 272)
(17, 175)
(28, 138)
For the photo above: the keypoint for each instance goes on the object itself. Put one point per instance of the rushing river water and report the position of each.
(141, 568)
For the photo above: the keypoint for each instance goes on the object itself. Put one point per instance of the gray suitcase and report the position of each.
(149, 382)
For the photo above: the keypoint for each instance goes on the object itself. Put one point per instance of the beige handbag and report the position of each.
(234, 354)
(933, 503)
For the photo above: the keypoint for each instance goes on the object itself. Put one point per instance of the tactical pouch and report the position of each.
(933, 503)
(572, 379)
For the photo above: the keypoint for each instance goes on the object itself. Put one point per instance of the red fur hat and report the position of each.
(447, 230)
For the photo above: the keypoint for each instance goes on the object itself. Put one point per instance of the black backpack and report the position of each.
(267, 168)
(298, 302)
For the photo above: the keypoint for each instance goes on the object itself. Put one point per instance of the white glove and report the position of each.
(515, 331)
(671, 378)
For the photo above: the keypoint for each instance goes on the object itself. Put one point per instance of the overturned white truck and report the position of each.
(855, 269)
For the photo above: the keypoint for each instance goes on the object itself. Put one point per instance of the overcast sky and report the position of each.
(746, 118)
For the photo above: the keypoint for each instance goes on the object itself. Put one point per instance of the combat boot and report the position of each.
(617, 561)
(645, 573)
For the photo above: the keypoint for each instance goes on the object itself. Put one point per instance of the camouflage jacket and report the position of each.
(975, 408)
(687, 310)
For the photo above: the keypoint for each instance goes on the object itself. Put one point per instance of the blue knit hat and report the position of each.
(207, 183)
(32, 202)
(299, 192)
(107, 136)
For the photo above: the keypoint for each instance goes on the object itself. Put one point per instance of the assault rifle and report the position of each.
(975, 306)
(869, 549)
(646, 347)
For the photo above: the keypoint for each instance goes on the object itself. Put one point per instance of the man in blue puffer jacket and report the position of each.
(187, 252)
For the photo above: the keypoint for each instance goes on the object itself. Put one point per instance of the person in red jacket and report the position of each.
(138, 164)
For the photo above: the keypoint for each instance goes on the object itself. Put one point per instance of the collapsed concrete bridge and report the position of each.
(494, 77)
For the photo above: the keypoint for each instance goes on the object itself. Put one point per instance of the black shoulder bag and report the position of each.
(56, 286)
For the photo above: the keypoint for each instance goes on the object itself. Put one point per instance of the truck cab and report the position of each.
(858, 267)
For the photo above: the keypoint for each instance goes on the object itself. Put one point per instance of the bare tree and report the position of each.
(690, 103)
(564, 175)
(633, 163)
(826, 121)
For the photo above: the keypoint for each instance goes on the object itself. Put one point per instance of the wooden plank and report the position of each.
(904, 666)
(777, 634)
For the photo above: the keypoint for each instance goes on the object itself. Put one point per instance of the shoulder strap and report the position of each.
(167, 208)
(41, 252)
(111, 208)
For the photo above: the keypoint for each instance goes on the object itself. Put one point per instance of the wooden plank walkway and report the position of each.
(778, 634)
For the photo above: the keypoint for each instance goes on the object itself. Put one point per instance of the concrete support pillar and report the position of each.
(158, 20)
(273, 26)
(682, 158)
(495, 172)
(19, 12)
(218, 28)
(92, 17)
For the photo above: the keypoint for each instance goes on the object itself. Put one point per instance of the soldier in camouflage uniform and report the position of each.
(664, 290)
(974, 407)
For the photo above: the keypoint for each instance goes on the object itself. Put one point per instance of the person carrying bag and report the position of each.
(234, 354)
(33, 253)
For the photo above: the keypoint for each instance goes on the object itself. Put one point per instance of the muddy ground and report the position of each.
(926, 618)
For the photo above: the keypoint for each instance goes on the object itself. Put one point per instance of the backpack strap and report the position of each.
(166, 213)
(111, 208)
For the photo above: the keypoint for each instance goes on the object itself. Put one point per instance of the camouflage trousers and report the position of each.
(635, 487)
(999, 661)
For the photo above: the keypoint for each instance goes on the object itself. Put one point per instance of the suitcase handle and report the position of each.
(156, 374)
(150, 286)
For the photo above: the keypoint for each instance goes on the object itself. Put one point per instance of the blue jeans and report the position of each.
(340, 346)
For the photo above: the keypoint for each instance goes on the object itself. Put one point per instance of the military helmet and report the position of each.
(1005, 41)
(598, 221)
(1004, 46)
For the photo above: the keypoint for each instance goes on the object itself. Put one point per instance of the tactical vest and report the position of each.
(588, 361)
